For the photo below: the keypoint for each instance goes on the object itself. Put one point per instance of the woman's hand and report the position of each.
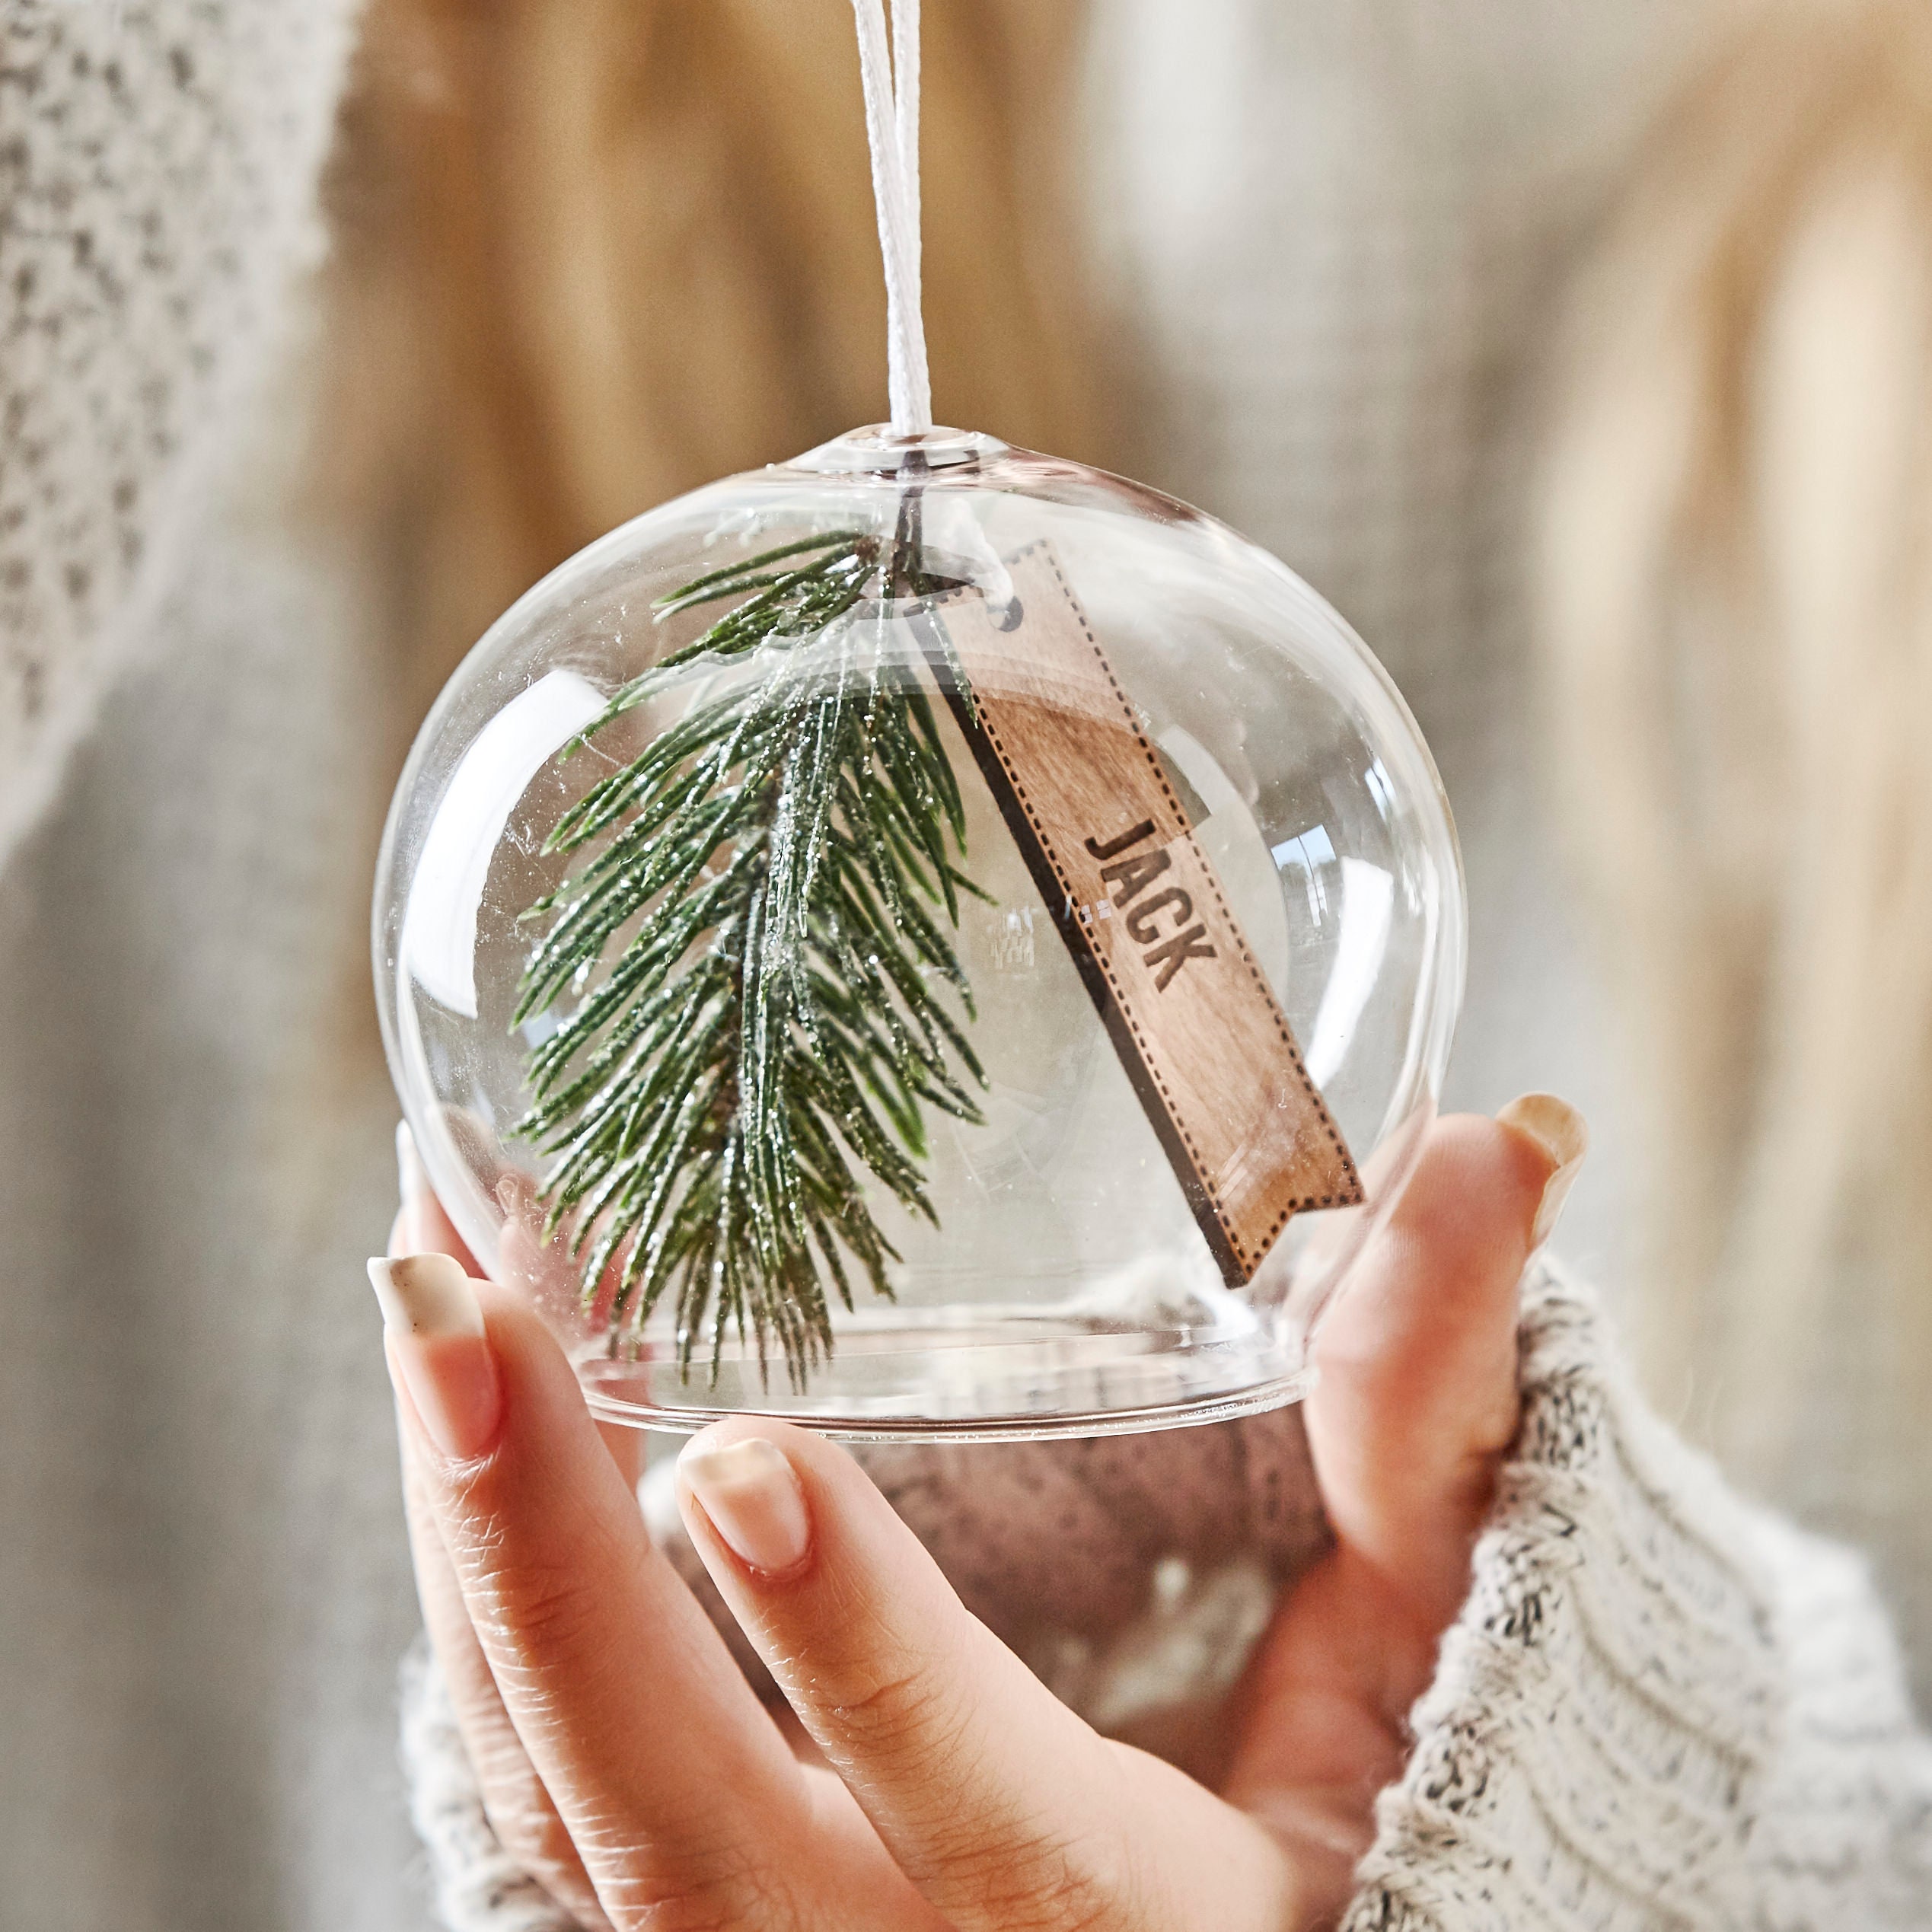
(626, 1762)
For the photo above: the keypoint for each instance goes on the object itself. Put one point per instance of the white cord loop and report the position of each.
(892, 128)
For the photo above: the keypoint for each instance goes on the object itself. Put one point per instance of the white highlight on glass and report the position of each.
(1368, 904)
(1307, 853)
(439, 928)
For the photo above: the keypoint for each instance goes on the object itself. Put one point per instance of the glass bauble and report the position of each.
(1064, 1280)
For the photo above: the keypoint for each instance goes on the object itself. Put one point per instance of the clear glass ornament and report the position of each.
(1064, 1283)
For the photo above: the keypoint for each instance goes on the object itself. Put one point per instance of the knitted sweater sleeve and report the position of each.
(1659, 1706)
(158, 168)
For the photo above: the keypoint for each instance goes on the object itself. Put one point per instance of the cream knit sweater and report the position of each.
(157, 173)
(1660, 1706)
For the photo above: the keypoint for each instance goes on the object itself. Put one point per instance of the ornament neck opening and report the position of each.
(880, 449)
(891, 86)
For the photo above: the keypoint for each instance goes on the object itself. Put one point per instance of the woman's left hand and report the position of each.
(625, 1763)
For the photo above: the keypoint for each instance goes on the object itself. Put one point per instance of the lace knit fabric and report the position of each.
(158, 170)
(1659, 1706)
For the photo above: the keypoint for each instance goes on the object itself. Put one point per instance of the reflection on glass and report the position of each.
(1368, 902)
(439, 929)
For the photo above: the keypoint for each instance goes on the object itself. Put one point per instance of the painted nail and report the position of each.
(437, 1347)
(1558, 1129)
(752, 1497)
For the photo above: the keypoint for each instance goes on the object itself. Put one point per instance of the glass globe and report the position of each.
(1111, 1203)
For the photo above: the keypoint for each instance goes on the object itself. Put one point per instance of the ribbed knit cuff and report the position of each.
(1630, 1701)
(476, 1885)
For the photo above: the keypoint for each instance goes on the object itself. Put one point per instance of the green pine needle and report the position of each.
(776, 1024)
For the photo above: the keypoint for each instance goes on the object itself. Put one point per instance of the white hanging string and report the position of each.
(892, 128)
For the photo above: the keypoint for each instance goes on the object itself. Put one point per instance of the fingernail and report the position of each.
(1558, 1129)
(436, 1341)
(752, 1497)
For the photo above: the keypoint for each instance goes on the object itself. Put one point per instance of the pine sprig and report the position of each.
(771, 1020)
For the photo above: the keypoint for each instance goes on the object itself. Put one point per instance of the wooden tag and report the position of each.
(1196, 1025)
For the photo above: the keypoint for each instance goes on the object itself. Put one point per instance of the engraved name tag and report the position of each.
(1197, 1027)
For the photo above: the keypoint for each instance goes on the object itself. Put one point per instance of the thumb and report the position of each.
(1415, 1405)
(1416, 1400)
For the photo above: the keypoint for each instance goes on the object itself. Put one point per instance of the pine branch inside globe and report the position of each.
(753, 975)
